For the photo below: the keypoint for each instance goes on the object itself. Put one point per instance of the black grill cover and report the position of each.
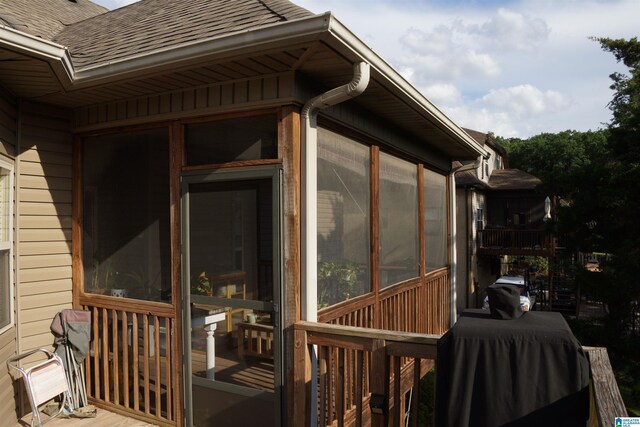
(529, 371)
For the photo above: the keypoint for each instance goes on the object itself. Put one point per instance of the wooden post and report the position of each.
(379, 380)
(301, 380)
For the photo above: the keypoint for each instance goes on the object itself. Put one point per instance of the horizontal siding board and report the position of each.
(31, 208)
(43, 261)
(38, 169)
(45, 286)
(44, 248)
(41, 275)
(47, 140)
(7, 400)
(36, 328)
(37, 314)
(42, 340)
(45, 183)
(44, 156)
(7, 337)
(45, 196)
(44, 221)
(45, 300)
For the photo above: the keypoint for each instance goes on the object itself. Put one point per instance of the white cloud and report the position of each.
(436, 56)
(509, 29)
(443, 94)
(525, 100)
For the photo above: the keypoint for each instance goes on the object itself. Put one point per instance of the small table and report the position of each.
(259, 340)
(210, 323)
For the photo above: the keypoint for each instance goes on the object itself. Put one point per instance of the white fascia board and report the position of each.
(401, 86)
(25, 44)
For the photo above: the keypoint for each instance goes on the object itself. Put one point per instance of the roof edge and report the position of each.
(56, 55)
(346, 36)
(294, 29)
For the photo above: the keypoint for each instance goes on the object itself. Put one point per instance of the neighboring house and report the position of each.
(166, 167)
(499, 215)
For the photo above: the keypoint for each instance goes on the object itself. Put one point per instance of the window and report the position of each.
(343, 218)
(480, 219)
(6, 246)
(126, 241)
(222, 141)
(398, 220)
(435, 220)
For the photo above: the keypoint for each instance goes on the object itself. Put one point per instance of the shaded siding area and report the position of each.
(44, 223)
(243, 94)
(8, 127)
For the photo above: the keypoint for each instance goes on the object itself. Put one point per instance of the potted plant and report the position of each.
(337, 282)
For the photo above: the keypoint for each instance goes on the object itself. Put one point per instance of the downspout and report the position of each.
(309, 141)
(453, 255)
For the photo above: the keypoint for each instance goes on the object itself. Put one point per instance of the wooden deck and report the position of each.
(103, 418)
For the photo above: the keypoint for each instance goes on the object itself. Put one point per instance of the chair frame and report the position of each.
(51, 366)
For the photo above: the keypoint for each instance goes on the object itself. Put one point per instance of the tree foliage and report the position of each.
(597, 173)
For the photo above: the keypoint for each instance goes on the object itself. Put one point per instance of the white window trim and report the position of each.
(8, 245)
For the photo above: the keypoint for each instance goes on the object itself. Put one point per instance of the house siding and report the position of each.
(8, 343)
(257, 92)
(44, 223)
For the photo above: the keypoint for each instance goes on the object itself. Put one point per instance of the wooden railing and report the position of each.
(130, 368)
(607, 404)
(417, 305)
(355, 366)
(361, 368)
(514, 239)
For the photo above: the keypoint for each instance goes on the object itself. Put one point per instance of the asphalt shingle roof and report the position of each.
(512, 179)
(149, 25)
(46, 18)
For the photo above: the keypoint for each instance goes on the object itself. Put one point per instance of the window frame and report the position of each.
(7, 245)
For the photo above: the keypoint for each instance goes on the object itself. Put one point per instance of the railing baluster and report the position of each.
(116, 357)
(125, 359)
(359, 367)
(415, 393)
(136, 361)
(105, 353)
(158, 388)
(145, 361)
(168, 335)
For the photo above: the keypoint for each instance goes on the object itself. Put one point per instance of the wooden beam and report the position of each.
(606, 394)
(176, 162)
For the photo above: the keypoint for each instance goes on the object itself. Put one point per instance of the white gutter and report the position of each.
(309, 115)
(351, 41)
(57, 55)
(454, 255)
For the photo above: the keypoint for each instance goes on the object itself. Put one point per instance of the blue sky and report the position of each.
(516, 68)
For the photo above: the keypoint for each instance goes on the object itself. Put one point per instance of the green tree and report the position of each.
(620, 228)
(561, 160)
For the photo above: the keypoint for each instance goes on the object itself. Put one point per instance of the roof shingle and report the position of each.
(46, 18)
(512, 179)
(149, 25)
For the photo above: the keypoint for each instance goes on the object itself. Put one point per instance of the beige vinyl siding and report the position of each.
(44, 228)
(7, 393)
(8, 134)
(258, 92)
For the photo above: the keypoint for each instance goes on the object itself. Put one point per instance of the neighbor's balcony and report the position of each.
(513, 241)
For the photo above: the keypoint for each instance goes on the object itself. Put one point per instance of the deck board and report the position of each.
(103, 418)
